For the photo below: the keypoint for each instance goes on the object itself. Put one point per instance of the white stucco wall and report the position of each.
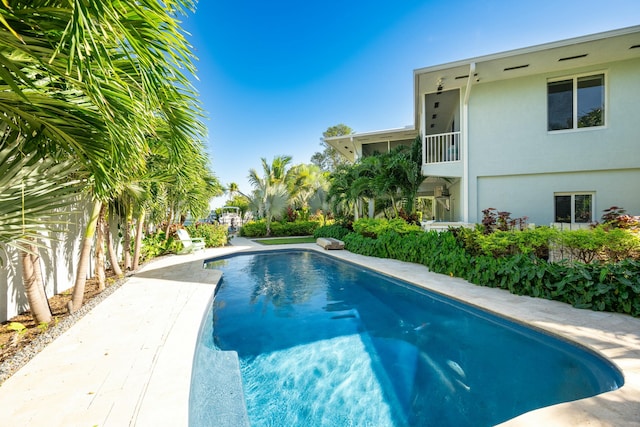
(533, 195)
(58, 262)
(516, 165)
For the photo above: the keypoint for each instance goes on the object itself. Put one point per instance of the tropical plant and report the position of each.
(335, 231)
(96, 82)
(309, 188)
(32, 192)
(214, 235)
(342, 195)
(271, 192)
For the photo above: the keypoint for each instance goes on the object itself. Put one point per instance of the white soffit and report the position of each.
(347, 144)
(617, 45)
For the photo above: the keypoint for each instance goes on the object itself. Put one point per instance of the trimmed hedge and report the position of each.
(373, 227)
(335, 231)
(605, 287)
(254, 229)
(279, 229)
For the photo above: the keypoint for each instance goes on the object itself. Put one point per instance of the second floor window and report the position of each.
(575, 103)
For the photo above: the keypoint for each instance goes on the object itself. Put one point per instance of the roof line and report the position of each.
(530, 49)
(409, 128)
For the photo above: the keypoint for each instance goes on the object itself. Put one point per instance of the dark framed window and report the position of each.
(576, 103)
(560, 104)
(574, 207)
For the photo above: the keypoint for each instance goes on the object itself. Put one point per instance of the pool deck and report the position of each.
(128, 361)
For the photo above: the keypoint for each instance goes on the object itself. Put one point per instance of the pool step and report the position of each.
(218, 399)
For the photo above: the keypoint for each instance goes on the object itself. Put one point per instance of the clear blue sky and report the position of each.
(273, 75)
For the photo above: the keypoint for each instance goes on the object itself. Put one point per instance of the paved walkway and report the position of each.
(128, 361)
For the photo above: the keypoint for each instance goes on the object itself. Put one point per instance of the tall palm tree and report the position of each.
(232, 189)
(388, 176)
(269, 201)
(342, 194)
(95, 78)
(32, 192)
(403, 167)
(274, 172)
(309, 182)
(271, 192)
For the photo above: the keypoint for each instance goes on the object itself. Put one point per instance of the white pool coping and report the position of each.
(128, 361)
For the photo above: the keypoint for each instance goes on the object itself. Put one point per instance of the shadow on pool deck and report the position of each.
(140, 375)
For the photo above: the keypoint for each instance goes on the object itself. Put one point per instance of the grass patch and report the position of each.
(286, 240)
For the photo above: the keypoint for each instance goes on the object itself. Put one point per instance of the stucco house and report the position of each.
(548, 132)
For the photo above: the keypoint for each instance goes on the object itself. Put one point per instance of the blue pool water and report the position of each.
(322, 342)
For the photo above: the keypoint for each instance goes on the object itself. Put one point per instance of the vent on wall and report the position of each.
(466, 76)
(517, 67)
(568, 58)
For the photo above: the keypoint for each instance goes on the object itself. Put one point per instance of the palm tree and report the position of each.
(32, 192)
(152, 74)
(341, 192)
(269, 201)
(271, 192)
(309, 182)
(387, 176)
(88, 80)
(404, 171)
(276, 171)
(233, 189)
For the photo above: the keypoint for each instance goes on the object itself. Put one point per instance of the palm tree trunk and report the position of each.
(85, 256)
(169, 219)
(113, 257)
(138, 243)
(267, 209)
(127, 240)
(35, 261)
(100, 273)
(32, 279)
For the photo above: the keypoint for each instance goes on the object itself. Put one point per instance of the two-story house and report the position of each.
(548, 132)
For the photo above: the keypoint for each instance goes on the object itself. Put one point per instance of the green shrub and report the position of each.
(503, 243)
(601, 242)
(279, 229)
(297, 228)
(620, 244)
(335, 231)
(155, 245)
(373, 227)
(598, 286)
(254, 229)
(357, 243)
(214, 235)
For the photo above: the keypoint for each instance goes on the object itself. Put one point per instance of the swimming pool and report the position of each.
(324, 342)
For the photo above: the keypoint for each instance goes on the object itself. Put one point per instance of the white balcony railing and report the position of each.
(440, 148)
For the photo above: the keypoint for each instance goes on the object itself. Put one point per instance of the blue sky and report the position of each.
(275, 74)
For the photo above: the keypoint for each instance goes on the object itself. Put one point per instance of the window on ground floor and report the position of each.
(576, 102)
(574, 207)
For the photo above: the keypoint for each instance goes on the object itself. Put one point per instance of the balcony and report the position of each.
(441, 155)
(440, 148)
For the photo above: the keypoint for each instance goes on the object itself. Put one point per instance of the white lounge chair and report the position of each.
(189, 244)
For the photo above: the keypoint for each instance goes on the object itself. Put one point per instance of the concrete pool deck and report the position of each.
(128, 361)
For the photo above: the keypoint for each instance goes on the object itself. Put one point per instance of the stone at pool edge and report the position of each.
(330, 243)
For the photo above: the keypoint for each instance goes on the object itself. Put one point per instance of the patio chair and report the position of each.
(189, 244)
